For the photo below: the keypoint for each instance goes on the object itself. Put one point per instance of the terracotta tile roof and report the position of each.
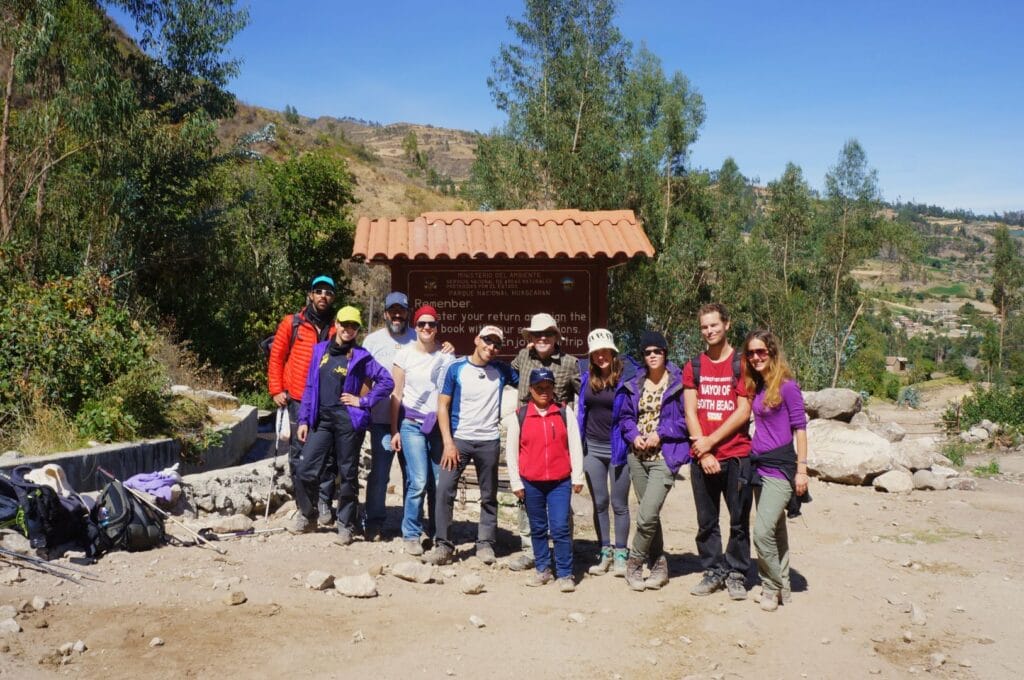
(552, 234)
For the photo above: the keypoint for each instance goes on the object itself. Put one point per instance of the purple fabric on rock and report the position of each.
(154, 483)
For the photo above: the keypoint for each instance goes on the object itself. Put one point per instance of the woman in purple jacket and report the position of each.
(653, 423)
(333, 414)
(604, 461)
(778, 455)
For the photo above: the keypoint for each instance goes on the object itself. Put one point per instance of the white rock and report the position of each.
(894, 481)
(319, 580)
(416, 572)
(926, 480)
(917, 615)
(477, 621)
(65, 649)
(832, 404)
(891, 432)
(935, 660)
(79, 647)
(577, 617)
(913, 454)
(9, 626)
(362, 585)
(156, 642)
(962, 483)
(225, 525)
(10, 576)
(861, 420)
(39, 603)
(943, 471)
(840, 453)
(8, 611)
(472, 584)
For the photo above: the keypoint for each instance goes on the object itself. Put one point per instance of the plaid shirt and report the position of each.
(565, 367)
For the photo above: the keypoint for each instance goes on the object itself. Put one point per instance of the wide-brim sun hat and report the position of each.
(541, 322)
(601, 338)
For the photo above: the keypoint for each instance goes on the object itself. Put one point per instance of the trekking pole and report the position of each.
(45, 567)
(282, 413)
(39, 560)
(163, 513)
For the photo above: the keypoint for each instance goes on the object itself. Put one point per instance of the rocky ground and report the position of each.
(886, 585)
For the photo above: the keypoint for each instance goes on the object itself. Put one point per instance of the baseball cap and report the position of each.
(540, 375)
(492, 330)
(322, 280)
(396, 298)
(349, 314)
(601, 338)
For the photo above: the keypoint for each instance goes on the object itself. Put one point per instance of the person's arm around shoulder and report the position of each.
(575, 450)
(515, 482)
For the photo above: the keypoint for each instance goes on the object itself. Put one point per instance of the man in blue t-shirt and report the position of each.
(469, 413)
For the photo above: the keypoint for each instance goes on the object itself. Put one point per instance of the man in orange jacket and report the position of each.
(290, 355)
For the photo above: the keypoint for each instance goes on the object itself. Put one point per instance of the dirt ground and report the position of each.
(862, 561)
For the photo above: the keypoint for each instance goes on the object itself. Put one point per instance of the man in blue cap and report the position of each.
(382, 345)
(290, 354)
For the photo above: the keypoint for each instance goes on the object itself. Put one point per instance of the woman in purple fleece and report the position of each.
(778, 454)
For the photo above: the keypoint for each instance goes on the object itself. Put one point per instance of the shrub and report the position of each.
(909, 396)
(957, 451)
(999, 404)
(987, 470)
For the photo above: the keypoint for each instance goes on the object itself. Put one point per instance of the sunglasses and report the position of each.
(349, 325)
(426, 324)
(323, 292)
(757, 354)
(491, 340)
(653, 352)
(543, 334)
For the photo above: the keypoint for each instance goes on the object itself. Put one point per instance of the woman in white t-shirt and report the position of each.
(418, 372)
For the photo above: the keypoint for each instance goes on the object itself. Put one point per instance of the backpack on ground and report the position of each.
(125, 522)
(40, 514)
(268, 342)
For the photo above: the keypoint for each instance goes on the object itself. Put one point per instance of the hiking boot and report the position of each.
(521, 562)
(769, 600)
(659, 574)
(485, 553)
(300, 524)
(344, 536)
(438, 555)
(326, 517)
(540, 578)
(566, 584)
(786, 595)
(413, 547)
(711, 582)
(604, 562)
(635, 573)
(619, 562)
(734, 583)
(373, 533)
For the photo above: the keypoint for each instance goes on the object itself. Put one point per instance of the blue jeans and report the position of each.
(422, 467)
(547, 505)
(381, 456)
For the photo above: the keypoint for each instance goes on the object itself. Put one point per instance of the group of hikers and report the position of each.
(608, 420)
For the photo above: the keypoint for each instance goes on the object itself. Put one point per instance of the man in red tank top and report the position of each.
(717, 415)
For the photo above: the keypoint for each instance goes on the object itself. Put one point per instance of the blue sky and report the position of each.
(933, 90)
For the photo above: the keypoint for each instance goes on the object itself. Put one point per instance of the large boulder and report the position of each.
(838, 452)
(832, 403)
(892, 432)
(914, 454)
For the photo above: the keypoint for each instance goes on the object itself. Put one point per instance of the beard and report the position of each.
(397, 327)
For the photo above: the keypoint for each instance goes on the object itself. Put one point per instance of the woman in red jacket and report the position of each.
(545, 467)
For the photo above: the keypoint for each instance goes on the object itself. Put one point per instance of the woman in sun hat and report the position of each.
(605, 450)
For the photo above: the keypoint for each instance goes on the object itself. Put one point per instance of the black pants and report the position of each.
(330, 476)
(333, 433)
(708, 491)
(485, 459)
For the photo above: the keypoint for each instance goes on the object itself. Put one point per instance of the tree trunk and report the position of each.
(5, 211)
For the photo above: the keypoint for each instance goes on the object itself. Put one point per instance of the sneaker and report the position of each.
(659, 574)
(343, 537)
(711, 582)
(373, 533)
(485, 553)
(769, 600)
(566, 584)
(604, 562)
(326, 517)
(438, 555)
(413, 547)
(540, 578)
(619, 562)
(736, 587)
(521, 562)
(635, 573)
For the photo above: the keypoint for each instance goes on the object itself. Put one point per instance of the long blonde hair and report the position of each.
(598, 383)
(778, 369)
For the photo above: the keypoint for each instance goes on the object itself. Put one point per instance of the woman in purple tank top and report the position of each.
(778, 456)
